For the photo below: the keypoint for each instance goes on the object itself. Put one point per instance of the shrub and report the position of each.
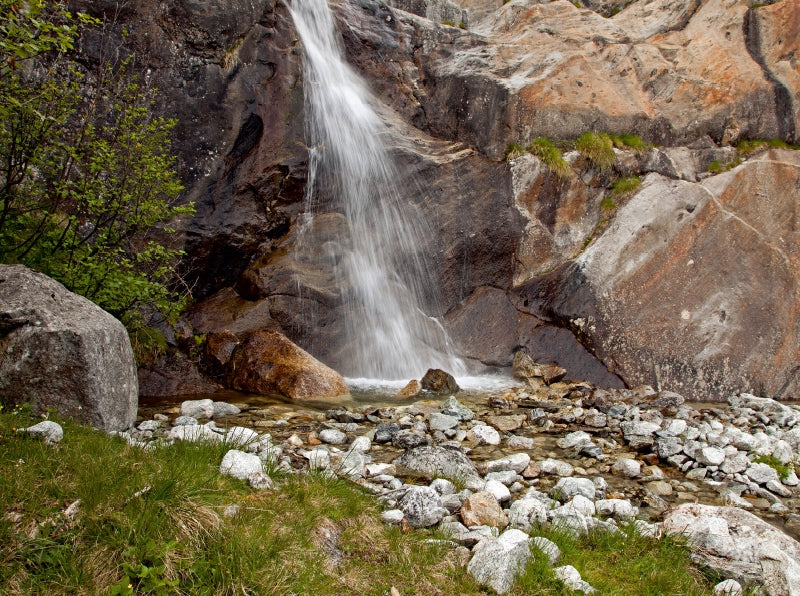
(550, 155)
(88, 185)
(597, 148)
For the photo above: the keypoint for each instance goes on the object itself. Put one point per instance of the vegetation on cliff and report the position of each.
(87, 181)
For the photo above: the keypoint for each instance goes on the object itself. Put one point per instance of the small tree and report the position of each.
(87, 182)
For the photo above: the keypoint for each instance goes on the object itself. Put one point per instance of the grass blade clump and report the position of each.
(632, 142)
(597, 148)
(625, 186)
(514, 150)
(545, 150)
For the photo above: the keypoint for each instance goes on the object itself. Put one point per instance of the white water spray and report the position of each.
(382, 274)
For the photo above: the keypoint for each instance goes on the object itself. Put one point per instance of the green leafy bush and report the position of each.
(597, 148)
(545, 150)
(87, 181)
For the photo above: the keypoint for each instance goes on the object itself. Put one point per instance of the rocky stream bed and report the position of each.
(570, 453)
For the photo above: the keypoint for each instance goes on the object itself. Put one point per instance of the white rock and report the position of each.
(332, 436)
(241, 436)
(507, 477)
(422, 506)
(579, 505)
(574, 439)
(443, 486)
(51, 432)
(570, 577)
(393, 516)
(621, 509)
(783, 452)
(185, 421)
(761, 473)
(483, 434)
(738, 544)
(735, 464)
(439, 421)
(498, 489)
(193, 434)
(516, 462)
(362, 444)
(496, 563)
(555, 466)
(729, 587)
(629, 468)
(517, 442)
(527, 513)
(709, 456)
(240, 464)
(672, 427)
(566, 488)
(260, 481)
(319, 458)
(149, 425)
(222, 409)
(198, 408)
(548, 548)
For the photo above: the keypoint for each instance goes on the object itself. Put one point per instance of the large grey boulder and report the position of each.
(59, 350)
(740, 546)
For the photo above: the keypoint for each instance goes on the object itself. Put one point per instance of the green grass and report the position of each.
(545, 150)
(622, 564)
(514, 150)
(716, 167)
(625, 186)
(597, 148)
(633, 142)
(173, 538)
(750, 146)
(151, 522)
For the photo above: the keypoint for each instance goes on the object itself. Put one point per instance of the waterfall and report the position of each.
(383, 276)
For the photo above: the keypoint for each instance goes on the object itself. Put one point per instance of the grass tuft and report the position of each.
(597, 148)
(514, 150)
(549, 154)
(625, 186)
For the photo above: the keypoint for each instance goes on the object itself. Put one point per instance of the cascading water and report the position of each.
(383, 277)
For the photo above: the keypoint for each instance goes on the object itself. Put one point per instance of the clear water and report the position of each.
(384, 279)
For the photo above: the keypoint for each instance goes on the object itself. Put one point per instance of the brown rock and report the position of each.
(506, 423)
(218, 352)
(267, 362)
(532, 471)
(413, 389)
(482, 509)
(524, 367)
(439, 382)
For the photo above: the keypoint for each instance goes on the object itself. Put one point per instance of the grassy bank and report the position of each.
(153, 522)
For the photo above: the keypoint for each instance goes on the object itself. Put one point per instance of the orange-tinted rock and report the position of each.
(482, 509)
(267, 362)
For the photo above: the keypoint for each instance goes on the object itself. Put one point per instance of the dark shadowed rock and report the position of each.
(173, 374)
(267, 362)
(439, 382)
(59, 350)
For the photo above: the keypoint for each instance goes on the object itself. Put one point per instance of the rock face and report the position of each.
(740, 546)
(267, 362)
(59, 350)
(704, 264)
(699, 266)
